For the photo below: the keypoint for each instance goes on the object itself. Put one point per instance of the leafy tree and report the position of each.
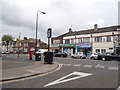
(18, 42)
(7, 40)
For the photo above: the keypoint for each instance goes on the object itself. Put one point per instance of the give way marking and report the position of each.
(62, 80)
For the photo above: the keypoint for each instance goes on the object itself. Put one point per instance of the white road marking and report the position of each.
(87, 66)
(62, 80)
(118, 88)
(99, 66)
(77, 65)
(113, 68)
(67, 64)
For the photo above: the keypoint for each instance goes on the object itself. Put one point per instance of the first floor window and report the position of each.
(108, 38)
(98, 39)
(67, 41)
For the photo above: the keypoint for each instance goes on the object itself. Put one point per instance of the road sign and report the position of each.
(63, 79)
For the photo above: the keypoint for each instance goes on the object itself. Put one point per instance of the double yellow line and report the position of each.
(32, 77)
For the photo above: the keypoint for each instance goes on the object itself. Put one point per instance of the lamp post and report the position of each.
(37, 27)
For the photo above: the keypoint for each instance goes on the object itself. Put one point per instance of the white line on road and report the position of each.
(99, 66)
(77, 65)
(62, 80)
(113, 68)
(118, 88)
(87, 65)
(67, 64)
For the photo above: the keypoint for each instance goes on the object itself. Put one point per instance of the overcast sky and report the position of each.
(19, 16)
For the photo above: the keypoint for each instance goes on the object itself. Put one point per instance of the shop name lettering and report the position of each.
(84, 44)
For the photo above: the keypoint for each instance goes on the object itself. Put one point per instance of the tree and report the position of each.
(18, 42)
(7, 40)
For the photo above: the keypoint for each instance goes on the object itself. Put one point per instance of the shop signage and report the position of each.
(54, 45)
(84, 45)
(67, 45)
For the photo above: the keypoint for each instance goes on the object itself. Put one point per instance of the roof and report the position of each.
(91, 31)
(31, 40)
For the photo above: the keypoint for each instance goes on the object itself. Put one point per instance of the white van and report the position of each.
(41, 51)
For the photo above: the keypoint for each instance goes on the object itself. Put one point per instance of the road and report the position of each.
(75, 73)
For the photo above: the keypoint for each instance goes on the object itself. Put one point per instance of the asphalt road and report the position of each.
(75, 73)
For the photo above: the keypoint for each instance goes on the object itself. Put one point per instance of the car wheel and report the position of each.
(93, 58)
(103, 58)
(72, 57)
(61, 55)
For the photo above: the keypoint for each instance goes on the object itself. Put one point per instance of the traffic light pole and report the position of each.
(48, 44)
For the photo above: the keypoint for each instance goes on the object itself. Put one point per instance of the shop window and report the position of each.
(86, 40)
(56, 41)
(67, 41)
(108, 38)
(98, 39)
(103, 50)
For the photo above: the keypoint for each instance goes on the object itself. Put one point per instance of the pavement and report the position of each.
(36, 68)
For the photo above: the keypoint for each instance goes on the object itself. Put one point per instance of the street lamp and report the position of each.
(37, 26)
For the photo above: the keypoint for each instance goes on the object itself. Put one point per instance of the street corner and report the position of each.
(35, 72)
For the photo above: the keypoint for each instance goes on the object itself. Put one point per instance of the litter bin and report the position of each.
(37, 56)
(48, 57)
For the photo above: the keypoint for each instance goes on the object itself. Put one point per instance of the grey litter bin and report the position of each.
(37, 56)
(48, 57)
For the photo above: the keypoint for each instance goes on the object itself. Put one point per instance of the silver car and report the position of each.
(79, 55)
(94, 56)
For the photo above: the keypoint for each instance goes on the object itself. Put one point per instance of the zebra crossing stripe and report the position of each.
(87, 66)
(99, 66)
(77, 65)
(113, 68)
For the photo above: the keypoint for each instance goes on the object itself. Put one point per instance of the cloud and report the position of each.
(20, 16)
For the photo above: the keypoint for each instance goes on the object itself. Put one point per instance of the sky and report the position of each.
(18, 17)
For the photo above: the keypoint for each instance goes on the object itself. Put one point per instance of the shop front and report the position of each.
(55, 48)
(85, 47)
(68, 48)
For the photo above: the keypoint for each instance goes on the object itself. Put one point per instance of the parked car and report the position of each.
(41, 51)
(5, 52)
(108, 56)
(60, 54)
(79, 55)
(94, 56)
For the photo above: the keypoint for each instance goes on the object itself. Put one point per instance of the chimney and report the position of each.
(70, 30)
(95, 27)
(25, 38)
(39, 40)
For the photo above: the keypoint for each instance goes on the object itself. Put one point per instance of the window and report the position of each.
(25, 44)
(108, 38)
(103, 50)
(86, 40)
(56, 41)
(79, 40)
(98, 39)
(97, 51)
(67, 41)
(118, 38)
(72, 41)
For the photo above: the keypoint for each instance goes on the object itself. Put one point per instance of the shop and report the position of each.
(55, 48)
(68, 48)
(85, 47)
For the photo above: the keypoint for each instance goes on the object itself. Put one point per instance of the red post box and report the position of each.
(30, 55)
